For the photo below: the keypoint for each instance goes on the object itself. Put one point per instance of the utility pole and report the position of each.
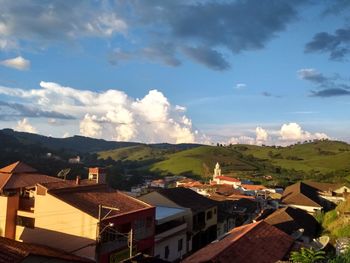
(130, 242)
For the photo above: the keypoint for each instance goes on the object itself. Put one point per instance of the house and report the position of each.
(14, 251)
(303, 196)
(202, 218)
(334, 193)
(291, 220)
(97, 221)
(16, 181)
(220, 179)
(171, 233)
(256, 242)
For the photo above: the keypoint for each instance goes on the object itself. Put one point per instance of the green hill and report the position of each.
(133, 153)
(200, 161)
(319, 156)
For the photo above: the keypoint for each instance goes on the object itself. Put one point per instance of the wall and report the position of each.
(11, 216)
(172, 243)
(56, 222)
(309, 209)
(3, 213)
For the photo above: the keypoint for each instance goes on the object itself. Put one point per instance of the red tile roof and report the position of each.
(226, 178)
(87, 198)
(17, 167)
(19, 175)
(253, 187)
(12, 251)
(256, 242)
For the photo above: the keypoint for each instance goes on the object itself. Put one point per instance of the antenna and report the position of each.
(63, 173)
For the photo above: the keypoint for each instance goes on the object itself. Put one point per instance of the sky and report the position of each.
(200, 71)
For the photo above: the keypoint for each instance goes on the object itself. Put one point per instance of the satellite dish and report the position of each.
(63, 173)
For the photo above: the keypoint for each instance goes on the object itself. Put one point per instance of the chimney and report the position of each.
(77, 180)
(98, 175)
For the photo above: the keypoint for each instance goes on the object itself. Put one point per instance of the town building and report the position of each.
(171, 233)
(255, 242)
(334, 193)
(16, 200)
(201, 219)
(220, 179)
(303, 196)
(97, 221)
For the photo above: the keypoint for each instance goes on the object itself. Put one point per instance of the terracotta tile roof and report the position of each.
(87, 198)
(187, 198)
(290, 219)
(19, 175)
(12, 251)
(256, 242)
(17, 167)
(253, 187)
(226, 178)
(301, 194)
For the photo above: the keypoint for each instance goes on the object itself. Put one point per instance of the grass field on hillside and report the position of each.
(201, 161)
(322, 156)
(133, 153)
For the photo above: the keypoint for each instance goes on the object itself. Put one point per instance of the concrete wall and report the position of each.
(3, 213)
(56, 222)
(172, 243)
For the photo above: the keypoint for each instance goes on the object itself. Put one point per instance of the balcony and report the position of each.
(26, 204)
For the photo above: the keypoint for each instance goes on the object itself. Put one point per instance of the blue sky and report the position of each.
(251, 71)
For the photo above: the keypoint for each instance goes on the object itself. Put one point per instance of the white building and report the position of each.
(220, 179)
(170, 238)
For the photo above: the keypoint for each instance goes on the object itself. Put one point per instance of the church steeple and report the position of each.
(217, 171)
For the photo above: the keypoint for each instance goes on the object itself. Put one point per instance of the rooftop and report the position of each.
(19, 175)
(290, 219)
(187, 198)
(227, 178)
(256, 242)
(301, 194)
(164, 213)
(87, 198)
(14, 251)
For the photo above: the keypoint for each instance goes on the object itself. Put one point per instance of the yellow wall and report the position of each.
(3, 212)
(60, 225)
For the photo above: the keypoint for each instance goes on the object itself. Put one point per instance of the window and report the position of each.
(166, 252)
(25, 221)
(179, 244)
(215, 211)
(209, 215)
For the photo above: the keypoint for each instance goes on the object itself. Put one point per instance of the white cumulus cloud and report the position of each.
(261, 135)
(112, 114)
(24, 126)
(292, 132)
(19, 63)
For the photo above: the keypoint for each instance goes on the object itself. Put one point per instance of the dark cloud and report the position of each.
(211, 26)
(9, 110)
(326, 86)
(210, 58)
(330, 92)
(268, 94)
(337, 45)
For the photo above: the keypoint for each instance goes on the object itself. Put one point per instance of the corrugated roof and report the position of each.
(12, 251)
(87, 198)
(256, 242)
(187, 198)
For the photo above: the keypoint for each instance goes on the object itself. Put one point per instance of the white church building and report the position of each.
(220, 179)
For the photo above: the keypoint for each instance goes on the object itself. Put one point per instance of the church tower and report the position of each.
(217, 171)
